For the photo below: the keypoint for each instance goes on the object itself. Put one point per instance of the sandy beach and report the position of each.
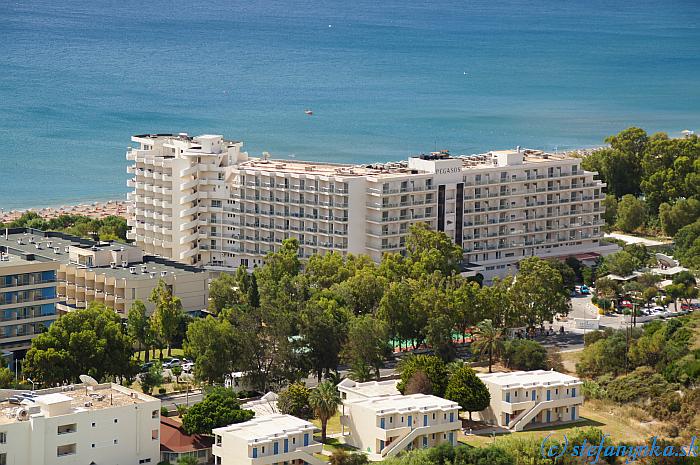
(93, 210)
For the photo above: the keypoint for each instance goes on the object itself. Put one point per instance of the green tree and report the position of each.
(323, 327)
(429, 251)
(489, 341)
(153, 378)
(324, 401)
(167, 315)
(219, 408)
(363, 291)
(367, 343)
(139, 327)
(621, 263)
(524, 354)
(188, 460)
(294, 400)
(687, 245)
(631, 213)
(538, 293)
(682, 213)
(323, 271)
(432, 366)
(90, 341)
(7, 378)
(610, 205)
(465, 388)
(224, 291)
(212, 344)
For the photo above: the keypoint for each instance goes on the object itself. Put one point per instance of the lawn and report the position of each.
(570, 359)
(177, 353)
(333, 425)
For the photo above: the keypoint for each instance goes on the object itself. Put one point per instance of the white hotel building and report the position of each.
(106, 424)
(203, 201)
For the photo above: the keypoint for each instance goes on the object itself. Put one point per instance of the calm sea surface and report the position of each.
(385, 79)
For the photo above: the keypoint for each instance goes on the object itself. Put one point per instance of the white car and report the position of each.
(188, 367)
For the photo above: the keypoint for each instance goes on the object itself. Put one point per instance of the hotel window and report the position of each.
(3, 459)
(154, 434)
(154, 414)
(3, 438)
(68, 449)
(65, 429)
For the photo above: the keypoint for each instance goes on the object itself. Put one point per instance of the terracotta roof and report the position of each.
(174, 439)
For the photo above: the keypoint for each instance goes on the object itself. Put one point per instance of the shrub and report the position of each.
(524, 354)
(642, 383)
(162, 390)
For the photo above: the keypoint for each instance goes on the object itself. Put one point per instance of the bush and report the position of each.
(433, 367)
(524, 354)
(642, 383)
(162, 390)
(294, 400)
(163, 411)
(219, 408)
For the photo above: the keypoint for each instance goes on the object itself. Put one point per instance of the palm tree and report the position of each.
(490, 340)
(324, 401)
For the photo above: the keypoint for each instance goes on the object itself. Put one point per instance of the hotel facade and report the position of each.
(205, 202)
(107, 424)
(539, 398)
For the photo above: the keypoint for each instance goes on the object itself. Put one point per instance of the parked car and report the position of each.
(174, 362)
(187, 367)
(585, 290)
(626, 304)
(146, 366)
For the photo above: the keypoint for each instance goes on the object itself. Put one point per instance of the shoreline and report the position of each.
(93, 210)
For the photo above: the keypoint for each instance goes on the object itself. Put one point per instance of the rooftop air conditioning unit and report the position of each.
(38, 246)
(124, 263)
(144, 268)
(153, 275)
(132, 270)
(113, 265)
(56, 250)
(48, 244)
(164, 274)
(20, 241)
(31, 239)
(65, 249)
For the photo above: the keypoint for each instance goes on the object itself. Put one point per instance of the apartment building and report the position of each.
(203, 201)
(270, 440)
(110, 273)
(103, 423)
(28, 300)
(538, 398)
(353, 390)
(383, 426)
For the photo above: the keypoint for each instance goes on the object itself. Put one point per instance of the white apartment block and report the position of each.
(104, 424)
(110, 273)
(270, 440)
(353, 390)
(203, 201)
(386, 425)
(533, 399)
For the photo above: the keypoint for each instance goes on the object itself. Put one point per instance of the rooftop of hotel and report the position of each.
(388, 169)
(369, 388)
(27, 245)
(528, 378)
(399, 403)
(77, 398)
(266, 428)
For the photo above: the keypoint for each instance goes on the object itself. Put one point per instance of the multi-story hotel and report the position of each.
(203, 201)
(385, 425)
(538, 398)
(106, 424)
(274, 439)
(28, 299)
(111, 273)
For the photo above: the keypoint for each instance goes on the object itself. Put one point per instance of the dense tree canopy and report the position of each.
(219, 408)
(90, 341)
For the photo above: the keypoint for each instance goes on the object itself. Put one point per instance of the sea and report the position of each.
(385, 80)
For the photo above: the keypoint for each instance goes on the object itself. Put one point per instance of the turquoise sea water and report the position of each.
(384, 79)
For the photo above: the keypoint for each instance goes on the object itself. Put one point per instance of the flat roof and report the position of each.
(369, 388)
(399, 403)
(266, 405)
(55, 252)
(82, 398)
(528, 378)
(266, 428)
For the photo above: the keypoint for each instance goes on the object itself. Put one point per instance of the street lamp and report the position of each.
(33, 383)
